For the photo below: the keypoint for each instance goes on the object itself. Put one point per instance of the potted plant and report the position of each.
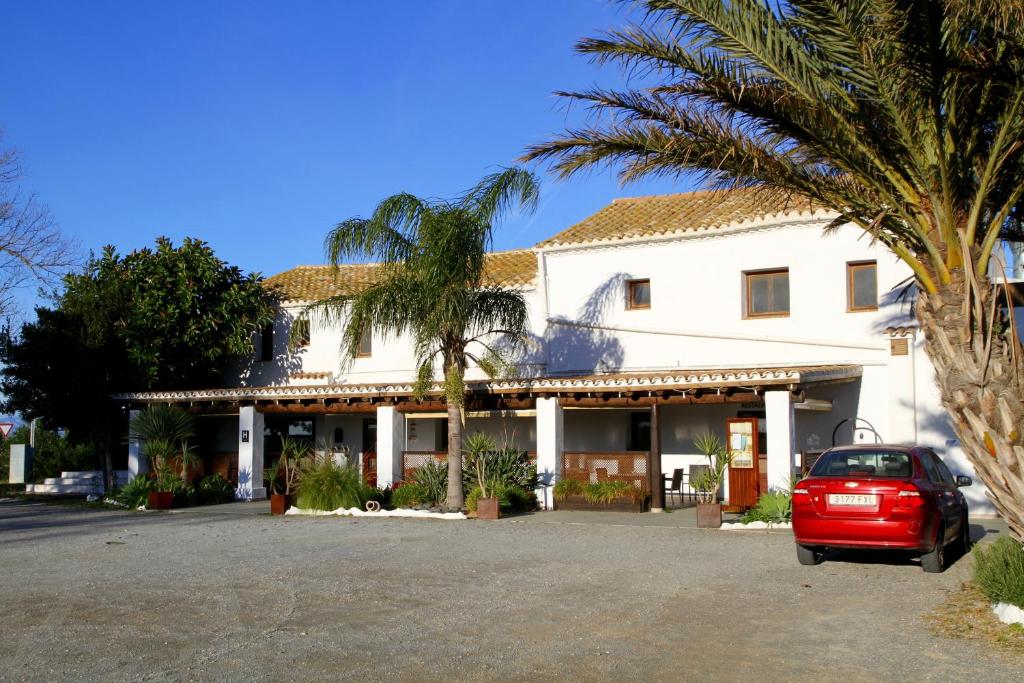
(479, 445)
(708, 482)
(162, 432)
(284, 476)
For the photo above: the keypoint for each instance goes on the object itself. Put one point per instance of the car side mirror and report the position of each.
(961, 480)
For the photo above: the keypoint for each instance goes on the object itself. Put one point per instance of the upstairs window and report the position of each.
(267, 343)
(300, 333)
(638, 294)
(365, 344)
(862, 286)
(767, 293)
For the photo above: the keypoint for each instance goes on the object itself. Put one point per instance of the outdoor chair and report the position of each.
(602, 474)
(675, 486)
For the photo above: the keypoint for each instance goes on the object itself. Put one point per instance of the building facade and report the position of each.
(653, 321)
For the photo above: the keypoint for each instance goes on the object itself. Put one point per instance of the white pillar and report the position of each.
(390, 444)
(902, 423)
(778, 408)
(250, 455)
(550, 437)
(137, 464)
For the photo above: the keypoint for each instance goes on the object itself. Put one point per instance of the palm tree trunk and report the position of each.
(980, 373)
(455, 500)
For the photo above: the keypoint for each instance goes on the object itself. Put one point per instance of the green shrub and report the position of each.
(607, 491)
(774, 507)
(433, 478)
(999, 571)
(568, 487)
(520, 500)
(215, 489)
(510, 498)
(327, 486)
(509, 466)
(135, 493)
(409, 495)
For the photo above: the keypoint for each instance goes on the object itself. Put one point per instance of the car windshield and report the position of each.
(863, 464)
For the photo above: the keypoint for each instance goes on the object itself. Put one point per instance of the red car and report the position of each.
(880, 497)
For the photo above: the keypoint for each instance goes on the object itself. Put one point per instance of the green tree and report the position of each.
(163, 318)
(431, 287)
(905, 117)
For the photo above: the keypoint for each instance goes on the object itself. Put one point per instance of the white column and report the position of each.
(902, 413)
(550, 437)
(250, 455)
(390, 444)
(778, 408)
(137, 464)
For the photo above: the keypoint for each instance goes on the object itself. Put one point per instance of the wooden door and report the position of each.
(370, 451)
(744, 475)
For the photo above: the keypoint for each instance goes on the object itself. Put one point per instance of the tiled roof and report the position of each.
(614, 382)
(678, 213)
(312, 283)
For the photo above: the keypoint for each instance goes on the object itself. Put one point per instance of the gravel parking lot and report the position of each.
(228, 594)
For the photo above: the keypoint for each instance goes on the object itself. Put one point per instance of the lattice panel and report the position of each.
(590, 467)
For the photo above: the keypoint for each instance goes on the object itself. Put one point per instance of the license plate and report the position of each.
(859, 500)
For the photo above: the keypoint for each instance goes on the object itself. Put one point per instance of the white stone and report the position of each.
(739, 526)
(1008, 614)
(356, 512)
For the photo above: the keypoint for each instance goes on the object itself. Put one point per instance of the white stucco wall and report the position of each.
(696, 320)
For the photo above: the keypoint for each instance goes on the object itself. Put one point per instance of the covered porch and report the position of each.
(636, 427)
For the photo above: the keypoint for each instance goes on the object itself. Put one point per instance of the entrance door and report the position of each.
(744, 477)
(370, 451)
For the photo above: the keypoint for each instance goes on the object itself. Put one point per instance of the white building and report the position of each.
(705, 306)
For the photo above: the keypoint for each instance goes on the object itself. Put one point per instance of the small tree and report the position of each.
(430, 286)
(163, 433)
(708, 482)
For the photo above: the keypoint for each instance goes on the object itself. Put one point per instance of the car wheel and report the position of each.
(934, 561)
(809, 556)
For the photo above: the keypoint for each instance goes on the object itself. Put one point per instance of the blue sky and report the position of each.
(256, 125)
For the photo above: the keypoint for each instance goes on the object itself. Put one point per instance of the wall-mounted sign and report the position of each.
(245, 436)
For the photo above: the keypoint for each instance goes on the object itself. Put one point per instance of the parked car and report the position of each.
(880, 497)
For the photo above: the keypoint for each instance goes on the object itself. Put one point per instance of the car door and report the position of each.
(947, 496)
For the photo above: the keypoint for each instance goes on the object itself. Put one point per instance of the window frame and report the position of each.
(267, 343)
(302, 333)
(366, 339)
(631, 304)
(851, 268)
(748, 276)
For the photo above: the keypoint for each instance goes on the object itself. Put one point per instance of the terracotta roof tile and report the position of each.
(677, 213)
(312, 283)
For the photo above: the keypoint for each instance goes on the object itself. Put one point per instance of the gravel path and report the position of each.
(230, 595)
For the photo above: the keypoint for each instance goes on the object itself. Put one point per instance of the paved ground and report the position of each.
(225, 594)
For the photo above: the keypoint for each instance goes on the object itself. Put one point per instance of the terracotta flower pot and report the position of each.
(709, 515)
(160, 500)
(487, 508)
(279, 503)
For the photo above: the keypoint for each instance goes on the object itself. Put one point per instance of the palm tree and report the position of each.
(429, 284)
(906, 117)
(163, 432)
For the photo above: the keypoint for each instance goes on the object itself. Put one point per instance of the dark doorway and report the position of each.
(639, 436)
